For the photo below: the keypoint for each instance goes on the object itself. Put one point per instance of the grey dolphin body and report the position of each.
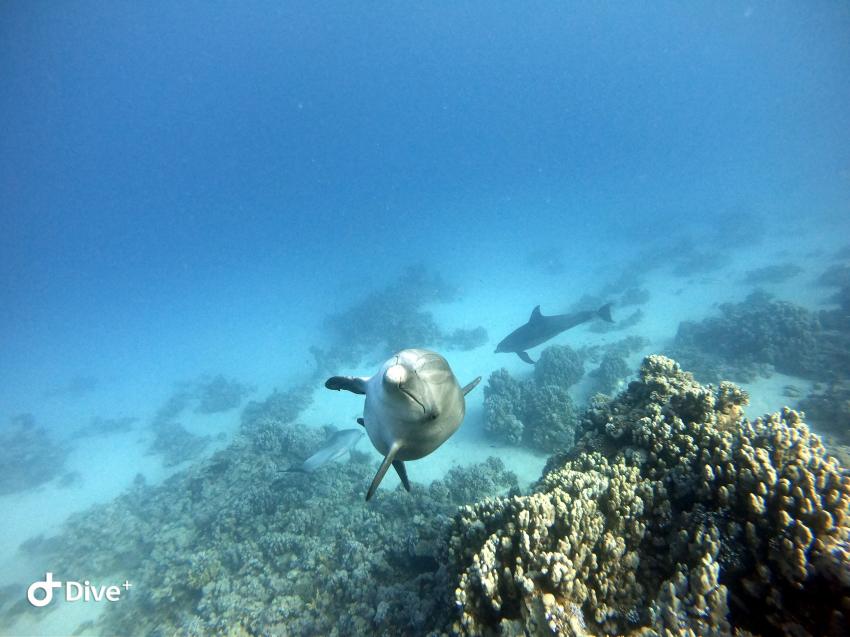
(540, 329)
(340, 443)
(413, 405)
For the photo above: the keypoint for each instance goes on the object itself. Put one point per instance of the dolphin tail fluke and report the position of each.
(382, 471)
(468, 388)
(401, 470)
(349, 383)
(524, 356)
(604, 313)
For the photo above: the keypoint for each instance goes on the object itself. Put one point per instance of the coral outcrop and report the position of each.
(539, 411)
(750, 339)
(672, 515)
(610, 375)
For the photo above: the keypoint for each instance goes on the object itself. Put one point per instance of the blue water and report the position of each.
(190, 188)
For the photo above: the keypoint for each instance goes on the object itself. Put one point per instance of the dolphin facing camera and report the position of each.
(74, 591)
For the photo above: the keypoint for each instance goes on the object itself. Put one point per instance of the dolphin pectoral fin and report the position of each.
(468, 388)
(401, 470)
(382, 471)
(361, 422)
(349, 383)
(524, 356)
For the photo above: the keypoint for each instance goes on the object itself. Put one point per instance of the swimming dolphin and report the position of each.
(413, 405)
(540, 329)
(340, 443)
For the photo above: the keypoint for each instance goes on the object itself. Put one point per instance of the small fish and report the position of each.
(340, 443)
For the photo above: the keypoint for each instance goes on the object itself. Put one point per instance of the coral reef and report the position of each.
(749, 339)
(671, 515)
(559, 365)
(775, 273)
(28, 455)
(368, 330)
(219, 393)
(537, 412)
(77, 387)
(209, 394)
(234, 545)
(176, 444)
(609, 376)
(465, 339)
(622, 348)
(634, 296)
(697, 261)
(828, 410)
(755, 337)
(837, 275)
(603, 327)
(106, 427)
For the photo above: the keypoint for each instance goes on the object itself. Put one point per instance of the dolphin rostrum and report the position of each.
(340, 443)
(413, 405)
(540, 329)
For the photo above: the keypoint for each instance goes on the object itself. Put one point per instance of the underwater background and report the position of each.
(206, 209)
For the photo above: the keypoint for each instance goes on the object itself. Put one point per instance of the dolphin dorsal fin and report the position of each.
(535, 315)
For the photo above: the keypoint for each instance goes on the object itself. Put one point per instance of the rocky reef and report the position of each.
(538, 411)
(672, 514)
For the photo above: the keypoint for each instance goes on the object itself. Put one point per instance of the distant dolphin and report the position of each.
(540, 329)
(340, 443)
(413, 405)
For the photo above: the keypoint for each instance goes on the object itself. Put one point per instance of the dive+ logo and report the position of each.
(74, 591)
